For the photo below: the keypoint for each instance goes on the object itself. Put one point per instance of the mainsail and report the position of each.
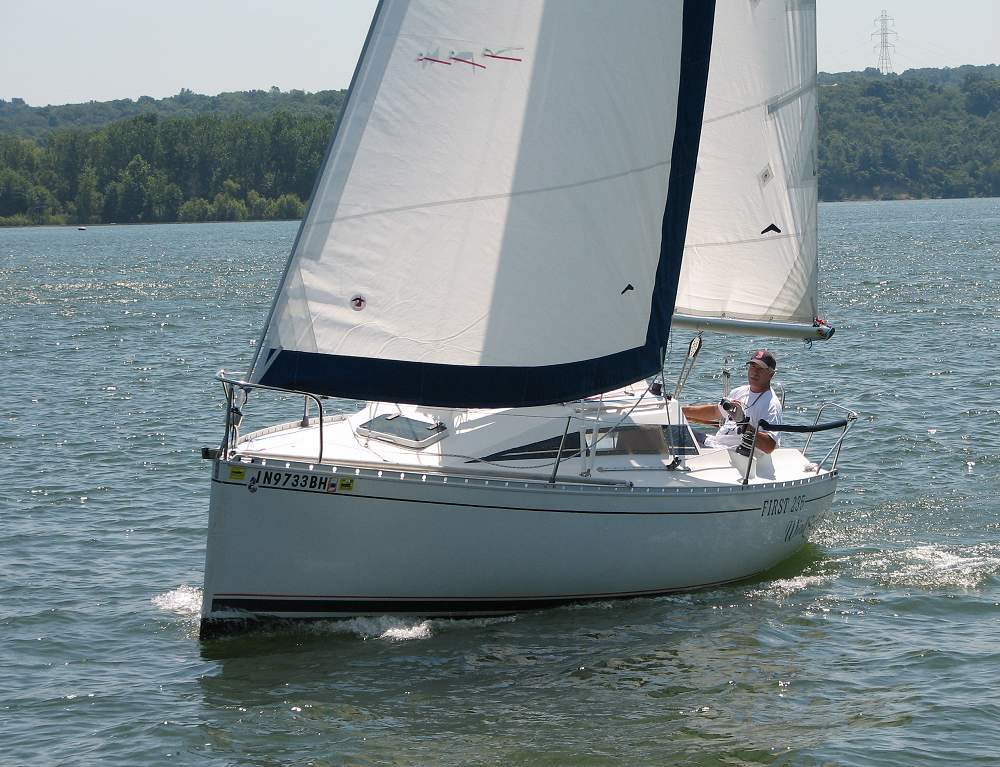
(501, 215)
(750, 258)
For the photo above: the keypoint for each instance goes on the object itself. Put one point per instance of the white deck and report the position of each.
(473, 434)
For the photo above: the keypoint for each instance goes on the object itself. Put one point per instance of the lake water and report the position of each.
(878, 645)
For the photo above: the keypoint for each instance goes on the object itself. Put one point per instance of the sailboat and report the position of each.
(518, 204)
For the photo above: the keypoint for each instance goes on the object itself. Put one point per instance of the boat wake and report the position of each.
(390, 628)
(934, 567)
(385, 627)
(780, 590)
(184, 601)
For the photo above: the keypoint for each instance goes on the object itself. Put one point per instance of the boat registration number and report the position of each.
(292, 480)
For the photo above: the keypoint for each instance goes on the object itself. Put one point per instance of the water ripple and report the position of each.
(876, 645)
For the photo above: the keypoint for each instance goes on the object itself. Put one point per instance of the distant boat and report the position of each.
(81, 229)
(491, 260)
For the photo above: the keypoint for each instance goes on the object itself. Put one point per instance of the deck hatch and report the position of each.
(404, 431)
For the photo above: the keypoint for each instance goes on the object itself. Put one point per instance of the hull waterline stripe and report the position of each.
(347, 604)
(512, 508)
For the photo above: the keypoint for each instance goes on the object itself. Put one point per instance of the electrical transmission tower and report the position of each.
(885, 31)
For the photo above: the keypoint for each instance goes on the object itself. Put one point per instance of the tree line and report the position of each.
(911, 136)
(921, 134)
(21, 119)
(144, 169)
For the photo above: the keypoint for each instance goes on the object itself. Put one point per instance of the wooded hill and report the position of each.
(254, 155)
(19, 119)
(915, 135)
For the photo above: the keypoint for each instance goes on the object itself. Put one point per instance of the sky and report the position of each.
(70, 51)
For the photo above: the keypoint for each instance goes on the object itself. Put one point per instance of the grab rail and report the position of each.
(234, 413)
(851, 416)
(799, 429)
(840, 423)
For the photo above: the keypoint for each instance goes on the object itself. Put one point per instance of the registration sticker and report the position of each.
(237, 473)
(345, 484)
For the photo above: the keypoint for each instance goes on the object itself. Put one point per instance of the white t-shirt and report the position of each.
(757, 406)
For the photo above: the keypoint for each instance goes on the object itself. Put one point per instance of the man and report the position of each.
(758, 402)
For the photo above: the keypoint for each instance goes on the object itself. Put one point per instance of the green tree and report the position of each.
(289, 207)
(15, 191)
(993, 178)
(89, 201)
(195, 210)
(226, 208)
(163, 198)
(133, 181)
(259, 208)
(43, 207)
(982, 96)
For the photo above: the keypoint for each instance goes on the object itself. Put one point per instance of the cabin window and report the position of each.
(625, 440)
(546, 450)
(680, 440)
(401, 430)
(647, 440)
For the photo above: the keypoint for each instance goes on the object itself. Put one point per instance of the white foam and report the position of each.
(785, 587)
(399, 629)
(935, 567)
(384, 627)
(184, 600)
(403, 633)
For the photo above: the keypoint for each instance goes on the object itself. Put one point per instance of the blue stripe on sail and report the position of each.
(467, 386)
(696, 50)
(454, 385)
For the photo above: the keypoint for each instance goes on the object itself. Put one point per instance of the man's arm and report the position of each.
(765, 442)
(702, 413)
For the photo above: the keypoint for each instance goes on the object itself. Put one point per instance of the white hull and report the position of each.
(284, 543)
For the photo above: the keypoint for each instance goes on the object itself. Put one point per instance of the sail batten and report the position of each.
(480, 214)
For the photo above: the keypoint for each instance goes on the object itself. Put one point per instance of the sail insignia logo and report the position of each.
(469, 59)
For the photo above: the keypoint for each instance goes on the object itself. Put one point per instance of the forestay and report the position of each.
(751, 243)
(501, 215)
